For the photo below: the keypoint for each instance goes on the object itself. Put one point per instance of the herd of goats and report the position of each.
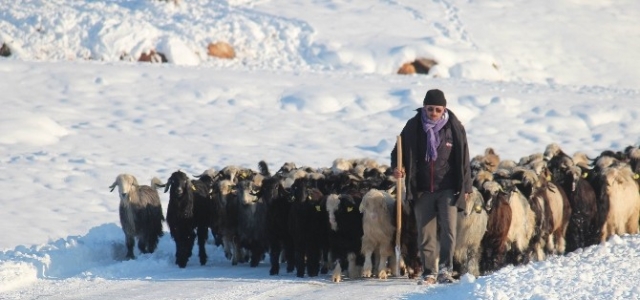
(344, 217)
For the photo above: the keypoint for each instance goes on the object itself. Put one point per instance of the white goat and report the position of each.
(140, 213)
(377, 207)
(472, 224)
(621, 191)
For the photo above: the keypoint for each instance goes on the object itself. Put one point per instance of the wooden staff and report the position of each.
(398, 204)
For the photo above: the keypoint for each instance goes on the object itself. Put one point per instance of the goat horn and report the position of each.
(113, 186)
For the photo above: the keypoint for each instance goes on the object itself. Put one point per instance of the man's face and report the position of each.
(434, 112)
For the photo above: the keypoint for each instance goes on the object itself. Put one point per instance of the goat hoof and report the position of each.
(382, 275)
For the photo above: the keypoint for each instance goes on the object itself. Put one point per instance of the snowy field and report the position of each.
(312, 81)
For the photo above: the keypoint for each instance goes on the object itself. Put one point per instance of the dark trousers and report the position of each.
(433, 211)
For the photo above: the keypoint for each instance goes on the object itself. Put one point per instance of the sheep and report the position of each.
(378, 231)
(140, 213)
(472, 225)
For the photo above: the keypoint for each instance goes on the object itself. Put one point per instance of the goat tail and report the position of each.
(264, 169)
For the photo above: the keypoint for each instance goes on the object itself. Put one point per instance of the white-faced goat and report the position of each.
(472, 225)
(495, 240)
(552, 211)
(345, 234)
(140, 213)
(620, 191)
(378, 232)
(522, 218)
(523, 223)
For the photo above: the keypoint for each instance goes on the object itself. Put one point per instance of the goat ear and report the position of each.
(113, 186)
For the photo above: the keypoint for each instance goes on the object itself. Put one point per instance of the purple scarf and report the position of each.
(431, 128)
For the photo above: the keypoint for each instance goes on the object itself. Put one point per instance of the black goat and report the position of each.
(345, 236)
(278, 202)
(308, 225)
(191, 207)
(251, 232)
(584, 228)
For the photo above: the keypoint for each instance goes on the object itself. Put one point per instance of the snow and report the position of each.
(312, 81)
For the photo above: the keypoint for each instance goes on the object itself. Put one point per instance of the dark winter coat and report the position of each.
(414, 151)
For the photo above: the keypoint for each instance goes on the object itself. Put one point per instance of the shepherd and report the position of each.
(437, 176)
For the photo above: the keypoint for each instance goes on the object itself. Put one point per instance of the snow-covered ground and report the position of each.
(312, 81)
